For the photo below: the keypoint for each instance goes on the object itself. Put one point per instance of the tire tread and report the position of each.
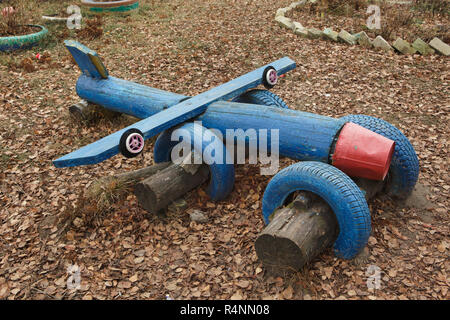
(262, 97)
(404, 165)
(353, 213)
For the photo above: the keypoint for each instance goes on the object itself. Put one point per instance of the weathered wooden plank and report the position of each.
(109, 146)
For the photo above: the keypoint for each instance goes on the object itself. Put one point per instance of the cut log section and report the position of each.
(107, 190)
(79, 110)
(158, 191)
(297, 234)
(300, 231)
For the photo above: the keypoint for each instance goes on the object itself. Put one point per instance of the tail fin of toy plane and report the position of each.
(87, 60)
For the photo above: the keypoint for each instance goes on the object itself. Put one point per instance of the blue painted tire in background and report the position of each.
(262, 97)
(221, 175)
(340, 192)
(24, 41)
(116, 9)
(110, 6)
(404, 169)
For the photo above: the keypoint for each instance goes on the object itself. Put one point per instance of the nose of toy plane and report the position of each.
(362, 153)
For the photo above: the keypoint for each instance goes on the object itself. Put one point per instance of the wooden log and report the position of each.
(143, 172)
(296, 235)
(83, 111)
(125, 178)
(158, 191)
(300, 231)
(79, 110)
(107, 190)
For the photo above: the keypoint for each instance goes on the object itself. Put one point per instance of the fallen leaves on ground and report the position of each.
(189, 47)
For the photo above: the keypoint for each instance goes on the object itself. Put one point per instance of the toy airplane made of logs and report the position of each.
(130, 140)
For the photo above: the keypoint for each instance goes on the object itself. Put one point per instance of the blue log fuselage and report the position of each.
(302, 135)
(126, 96)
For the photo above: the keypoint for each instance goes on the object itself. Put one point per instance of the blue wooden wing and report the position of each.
(108, 146)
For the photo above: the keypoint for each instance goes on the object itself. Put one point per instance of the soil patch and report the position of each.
(19, 31)
(397, 20)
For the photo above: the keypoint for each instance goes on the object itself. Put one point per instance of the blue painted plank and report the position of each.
(109, 146)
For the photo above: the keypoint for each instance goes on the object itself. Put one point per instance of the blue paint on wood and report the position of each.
(302, 136)
(125, 96)
(85, 58)
(109, 146)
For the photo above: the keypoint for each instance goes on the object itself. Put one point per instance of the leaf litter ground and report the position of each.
(188, 47)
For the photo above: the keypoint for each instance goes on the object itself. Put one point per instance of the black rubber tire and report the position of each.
(122, 143)
(262, 97)
(336, 188)
(266, 84)
(404, 169)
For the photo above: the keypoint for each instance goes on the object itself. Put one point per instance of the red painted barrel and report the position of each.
(363, 153)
